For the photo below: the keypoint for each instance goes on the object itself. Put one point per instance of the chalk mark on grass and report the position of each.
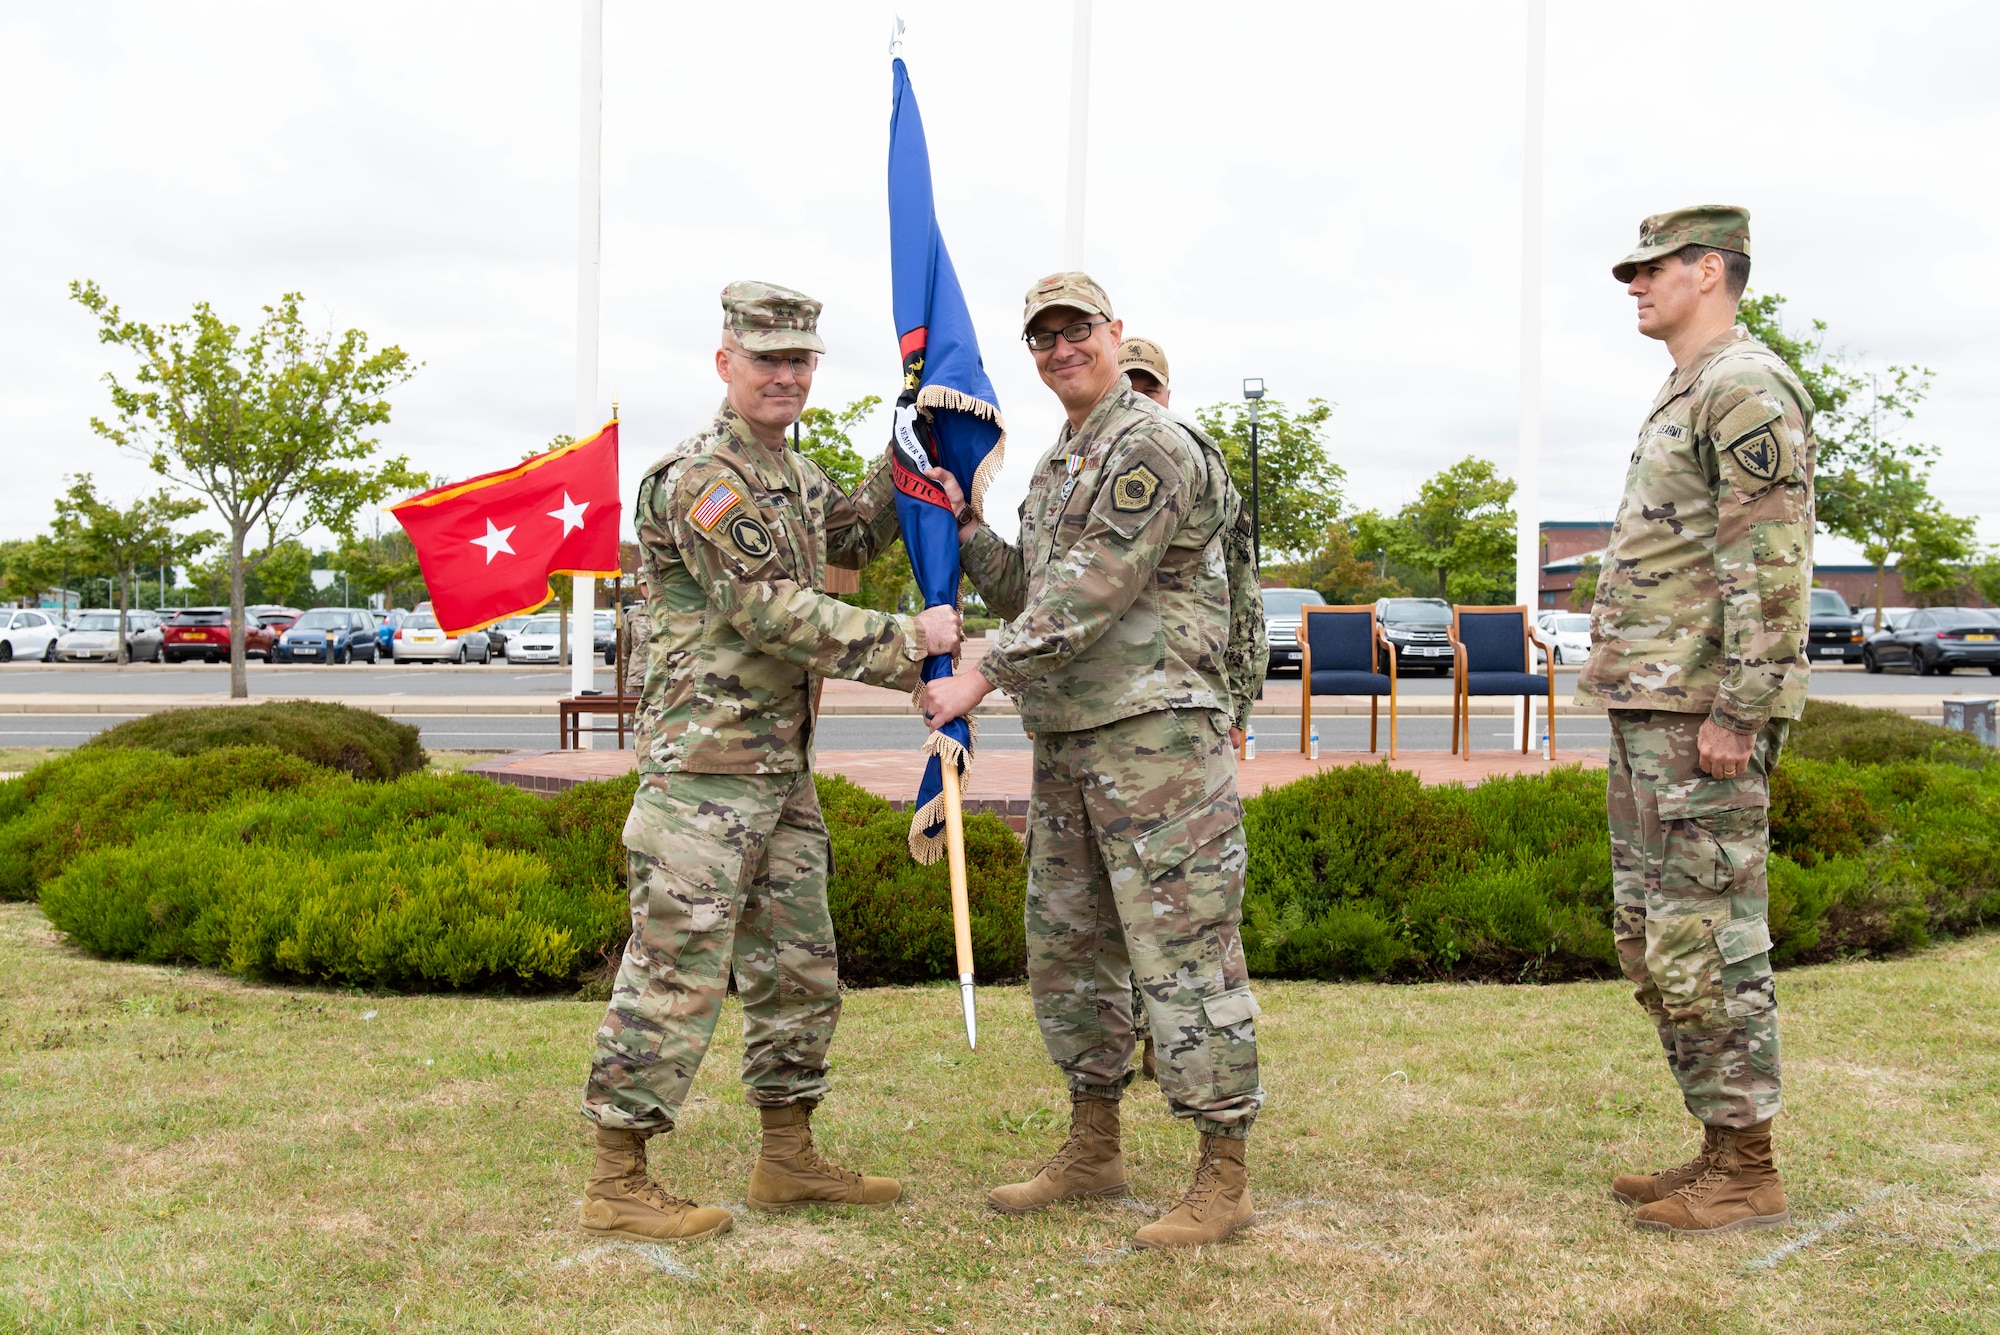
(652, 1253)
(1833, 1223)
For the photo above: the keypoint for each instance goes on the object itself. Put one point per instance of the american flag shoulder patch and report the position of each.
(716, 502)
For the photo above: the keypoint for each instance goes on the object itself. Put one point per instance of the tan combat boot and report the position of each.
(1089, 1166)
(1738, 1189)
(622, 1202)
(789, 1172)
(1645, 1188)
(1214, 1206)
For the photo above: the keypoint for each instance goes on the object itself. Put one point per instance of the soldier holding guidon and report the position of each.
(1135, 652)
(728, 853)
(1697, 651)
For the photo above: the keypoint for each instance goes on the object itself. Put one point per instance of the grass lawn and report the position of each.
(179, 1152)
(20, 759)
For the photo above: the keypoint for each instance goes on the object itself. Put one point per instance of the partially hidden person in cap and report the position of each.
(1698, 653)
(1135, 644)
(1144, 363)
(727, 851)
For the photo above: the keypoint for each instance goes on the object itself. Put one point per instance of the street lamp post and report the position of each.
(1253, 390)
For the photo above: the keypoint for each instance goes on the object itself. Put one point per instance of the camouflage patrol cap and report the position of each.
(1723, 226)
(768, 318)
(1074, 289)
(1142, 354)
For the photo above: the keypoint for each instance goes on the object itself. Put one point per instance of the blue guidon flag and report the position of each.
(947, 415)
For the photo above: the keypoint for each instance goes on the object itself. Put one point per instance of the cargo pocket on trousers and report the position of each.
(685, 884)
(1744, 945)
(1228, 1009)
(1709, 838)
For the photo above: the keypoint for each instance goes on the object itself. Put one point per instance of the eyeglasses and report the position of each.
(1041, 340)
(769, 365)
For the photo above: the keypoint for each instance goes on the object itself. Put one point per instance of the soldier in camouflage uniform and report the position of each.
(1698, 653)
(1136, 646)
(728, 854)
(638, 640)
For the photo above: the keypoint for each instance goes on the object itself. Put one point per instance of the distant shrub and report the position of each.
(1832, 731)
(355, 741)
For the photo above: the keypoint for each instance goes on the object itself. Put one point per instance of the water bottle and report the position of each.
(1312, 744)
(1250, 742)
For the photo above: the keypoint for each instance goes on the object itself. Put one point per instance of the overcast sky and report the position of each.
(1324, 195)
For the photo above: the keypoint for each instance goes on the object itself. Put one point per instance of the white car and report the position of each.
(1571, 632)
(94, 635)
(420, 639)
(28, 634)
(536, 642)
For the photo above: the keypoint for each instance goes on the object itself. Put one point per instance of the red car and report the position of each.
(203, 633)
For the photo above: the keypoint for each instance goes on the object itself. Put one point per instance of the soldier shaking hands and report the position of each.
(727, 852)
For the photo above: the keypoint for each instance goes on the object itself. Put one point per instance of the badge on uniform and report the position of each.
(1132, 490)
(716, 502)
(750, 536)
(1760, 455)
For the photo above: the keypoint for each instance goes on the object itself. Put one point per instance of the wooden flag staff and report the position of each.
(961, 912)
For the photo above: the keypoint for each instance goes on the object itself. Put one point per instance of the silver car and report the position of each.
(28, 634)
(420, 639)
(1281, 626)
(94, 638)
(536, 642)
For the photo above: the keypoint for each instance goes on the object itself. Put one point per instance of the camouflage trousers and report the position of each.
(1689, 909)
(1135, 883)
(726, 871)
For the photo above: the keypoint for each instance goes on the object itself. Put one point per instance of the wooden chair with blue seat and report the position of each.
(1490, 656)
(1341, 653)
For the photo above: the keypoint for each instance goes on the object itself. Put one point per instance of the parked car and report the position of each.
(604, 635)
(1571, 633)
(1891, 618)
(1419, 629)
(329, 635)
(203, 633)
(421, 640)
(1933, 641)
(95, 637)
(504, 631)
(28, 634)
(1832, 630)
(536, 642)
(385, 631)
(1281, 626)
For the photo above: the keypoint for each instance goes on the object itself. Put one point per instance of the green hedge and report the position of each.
(354, 741)
(254, 861)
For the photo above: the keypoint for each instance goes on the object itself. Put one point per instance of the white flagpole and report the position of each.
(1079, 133)
(1528, 471)
(589, 193)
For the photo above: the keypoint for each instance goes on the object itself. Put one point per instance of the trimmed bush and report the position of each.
(1831, 731)
(354, 741)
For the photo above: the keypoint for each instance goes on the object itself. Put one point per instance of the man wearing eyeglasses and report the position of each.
(1135, 646)
(727, 851)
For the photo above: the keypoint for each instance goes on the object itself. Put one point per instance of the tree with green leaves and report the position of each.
(1459, 530)
(386, 565)
(1341, 570)
(274, 429)
(1299, 486)
(117, 541)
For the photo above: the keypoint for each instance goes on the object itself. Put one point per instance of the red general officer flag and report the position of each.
(488, 545)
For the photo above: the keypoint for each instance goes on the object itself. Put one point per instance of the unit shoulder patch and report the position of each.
(1133, 490)
(1761, 455)
(750, 536)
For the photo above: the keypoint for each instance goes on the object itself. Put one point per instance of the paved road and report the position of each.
(849, 732)
(388, 680)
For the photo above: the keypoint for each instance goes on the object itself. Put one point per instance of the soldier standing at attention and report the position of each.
(1136, 645)
(1697, 650)
(638, 640)
(728, 853)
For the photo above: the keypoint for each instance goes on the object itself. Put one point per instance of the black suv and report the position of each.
(1833, 632)
(1420, 630)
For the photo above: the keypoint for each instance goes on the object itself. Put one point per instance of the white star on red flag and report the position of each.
(495, 540)
(571, 514)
